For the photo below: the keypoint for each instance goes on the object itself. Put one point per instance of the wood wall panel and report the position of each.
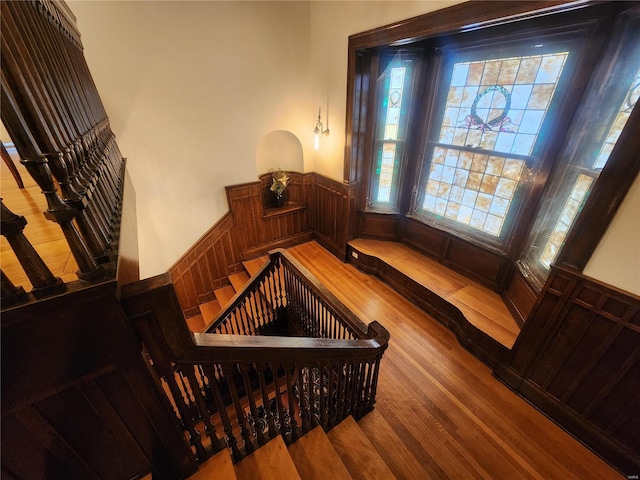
(380, 226)
(316, 207)
(578, 359)
(88, 409)
(251, 228)
(333, 216)
(519, 297)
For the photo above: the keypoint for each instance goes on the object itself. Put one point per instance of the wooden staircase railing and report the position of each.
(56, 120)
(239, 390)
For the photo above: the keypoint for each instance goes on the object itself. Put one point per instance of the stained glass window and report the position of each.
(567, 216)
(395, 99)
(496, 105)
(392, 119)
(581, 187)
(474, 189)
(619, 123)
(501, 104)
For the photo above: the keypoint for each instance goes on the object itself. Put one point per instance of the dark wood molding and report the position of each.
(519, 297)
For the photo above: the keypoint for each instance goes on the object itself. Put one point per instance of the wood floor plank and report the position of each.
(389, 444)
(445, 406)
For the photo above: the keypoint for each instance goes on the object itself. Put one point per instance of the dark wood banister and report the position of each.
(354, 324)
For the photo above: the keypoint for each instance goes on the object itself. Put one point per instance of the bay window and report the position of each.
(497, 135)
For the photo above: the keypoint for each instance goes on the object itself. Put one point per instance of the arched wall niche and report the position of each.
(279, 149)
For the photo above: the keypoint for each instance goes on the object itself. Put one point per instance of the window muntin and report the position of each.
(473, 189)
(489, 131)
(618, 124)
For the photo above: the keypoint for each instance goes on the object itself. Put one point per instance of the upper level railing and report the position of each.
(241, 387)
(56, 120)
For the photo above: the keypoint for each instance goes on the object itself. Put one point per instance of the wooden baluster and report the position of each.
(289, 369)
(62, 107)
(74, 200)
(232, 441)
(244, 371)
(278, 397)
(43, 281)
(182, 401)
(12, 167)
(228, 370)
(366, 395)
(261, 367)
(11, 295)
(63, 215)
(205, 415)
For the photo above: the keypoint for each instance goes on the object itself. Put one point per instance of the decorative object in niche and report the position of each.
(278, 186)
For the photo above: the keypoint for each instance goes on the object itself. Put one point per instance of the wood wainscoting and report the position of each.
(316, 207)
(578, 360)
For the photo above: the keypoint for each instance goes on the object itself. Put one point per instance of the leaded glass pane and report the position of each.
(500, 104)
(474, 189)
(618, 125)
(567, 216)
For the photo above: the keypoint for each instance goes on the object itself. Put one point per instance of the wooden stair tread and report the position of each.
(224, 294)
(196, 323)
(220, 466)
(209, 310)
(238, 280)
(399, 458)
(252, 266)
(316, 459)
(358, 453)
(270, 462)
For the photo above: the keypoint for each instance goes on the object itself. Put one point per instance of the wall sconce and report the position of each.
(320, 130)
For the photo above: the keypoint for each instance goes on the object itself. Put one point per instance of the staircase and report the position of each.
(342, 454)
(209, 310)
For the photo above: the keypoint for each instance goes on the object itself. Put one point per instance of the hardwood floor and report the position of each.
(440, 414)
(45, 236)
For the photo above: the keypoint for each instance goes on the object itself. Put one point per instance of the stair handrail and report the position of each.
(288, 270)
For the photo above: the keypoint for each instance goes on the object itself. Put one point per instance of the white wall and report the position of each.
(193, 88)
(616, 261)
